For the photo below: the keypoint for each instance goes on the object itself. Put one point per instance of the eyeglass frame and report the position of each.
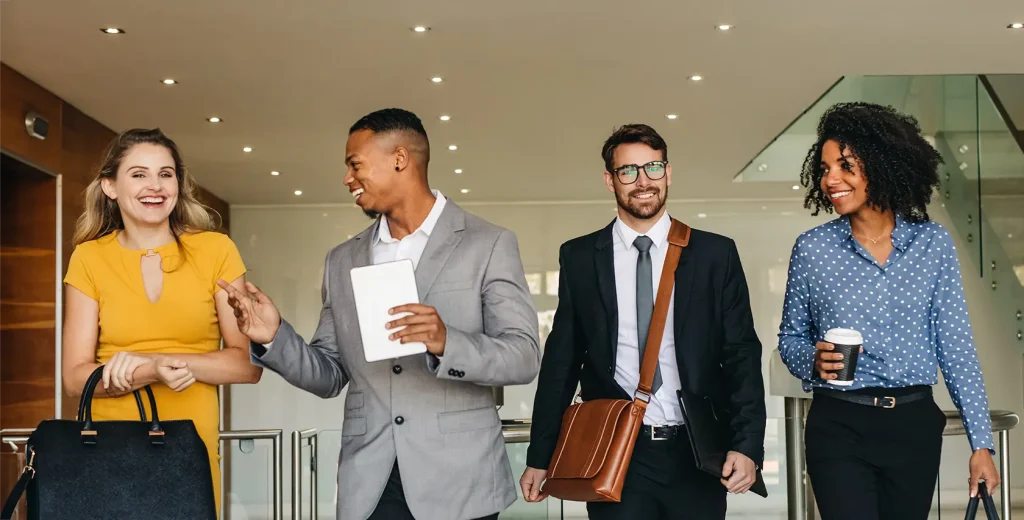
(617, 174)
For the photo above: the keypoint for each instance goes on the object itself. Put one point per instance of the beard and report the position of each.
(372, 215)
(640, 210)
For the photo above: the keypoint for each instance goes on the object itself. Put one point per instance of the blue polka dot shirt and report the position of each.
(911, 312)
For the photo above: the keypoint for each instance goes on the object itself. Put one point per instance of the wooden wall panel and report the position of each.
(19, 96)
(83, 142)
(214, 202)
(28, 207)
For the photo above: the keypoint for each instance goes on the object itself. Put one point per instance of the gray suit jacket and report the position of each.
(448, 442)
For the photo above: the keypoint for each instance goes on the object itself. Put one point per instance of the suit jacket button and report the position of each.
(397, 369)
(399, 420)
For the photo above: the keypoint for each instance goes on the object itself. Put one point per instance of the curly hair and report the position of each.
(901, 167)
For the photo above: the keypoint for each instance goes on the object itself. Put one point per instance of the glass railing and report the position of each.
(257, 454)
(1009, 90)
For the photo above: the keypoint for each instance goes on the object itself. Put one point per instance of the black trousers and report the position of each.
(663, 483)
(869, 463)
(392, 505)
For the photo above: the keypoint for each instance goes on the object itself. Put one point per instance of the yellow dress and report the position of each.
(183, 320)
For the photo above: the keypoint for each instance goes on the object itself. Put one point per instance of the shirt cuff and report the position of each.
(433, 362)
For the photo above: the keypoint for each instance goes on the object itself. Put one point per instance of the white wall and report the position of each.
(284, 250)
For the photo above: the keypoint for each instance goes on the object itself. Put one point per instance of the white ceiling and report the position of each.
(533, 87)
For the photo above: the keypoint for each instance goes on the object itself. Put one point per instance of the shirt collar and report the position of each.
(658, 233)
(383, 232)
(902, 234)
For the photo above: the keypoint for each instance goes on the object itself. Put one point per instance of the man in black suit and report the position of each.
(607, 280)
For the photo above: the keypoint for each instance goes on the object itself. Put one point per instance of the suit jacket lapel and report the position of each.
(362, 254)
(446, 236)
(604, 265)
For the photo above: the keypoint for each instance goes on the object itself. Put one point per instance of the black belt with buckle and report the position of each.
(874, 400)
(660, 433)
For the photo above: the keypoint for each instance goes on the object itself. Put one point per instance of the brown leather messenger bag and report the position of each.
(596, 441)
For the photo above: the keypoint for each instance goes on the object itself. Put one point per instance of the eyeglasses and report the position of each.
(629, 173)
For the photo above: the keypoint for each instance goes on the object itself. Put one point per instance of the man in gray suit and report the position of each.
(421, 437)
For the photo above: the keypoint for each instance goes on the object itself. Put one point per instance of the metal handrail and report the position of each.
(277, 455)
(1002, 422)
(297, 437)
(15, 436)
(516, 430)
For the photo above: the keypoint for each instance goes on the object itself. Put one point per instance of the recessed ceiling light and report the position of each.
(420, 29)
(275, 173)
(723, 27)
(702, 215)
(168, 81)
(796, 187)
(696, 78)
(112, 30)
(465, 190)
(446, 118)
(214, 119)
(453, 147)
(671, 116)
(247, 149)
(458, 170)
(436, 79)
(1017, 25)
(298, 192)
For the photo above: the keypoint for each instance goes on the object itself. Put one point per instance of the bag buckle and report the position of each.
(642, 396)
(892, 402)
(31, 461)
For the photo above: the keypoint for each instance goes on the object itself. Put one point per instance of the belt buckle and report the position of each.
(653, 438)
(892, 402)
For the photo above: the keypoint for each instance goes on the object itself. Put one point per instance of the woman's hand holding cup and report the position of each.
(826, 362)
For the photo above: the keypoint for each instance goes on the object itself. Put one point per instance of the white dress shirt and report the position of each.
(388, 249)
(664, 406)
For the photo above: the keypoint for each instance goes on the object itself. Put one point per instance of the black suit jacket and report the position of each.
(717, 350)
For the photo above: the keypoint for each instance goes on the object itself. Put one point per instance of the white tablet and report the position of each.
(377, 289)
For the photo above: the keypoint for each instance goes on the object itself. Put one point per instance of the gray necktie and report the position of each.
(645, 300)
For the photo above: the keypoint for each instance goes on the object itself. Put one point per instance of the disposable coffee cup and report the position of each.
(847, 342)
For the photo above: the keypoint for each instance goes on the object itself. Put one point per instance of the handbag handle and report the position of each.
(986, 500)
(156, 432)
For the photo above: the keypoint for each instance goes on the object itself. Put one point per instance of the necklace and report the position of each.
(879, 237)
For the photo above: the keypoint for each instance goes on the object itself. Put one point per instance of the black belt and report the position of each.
(874, 400)
(660, 433)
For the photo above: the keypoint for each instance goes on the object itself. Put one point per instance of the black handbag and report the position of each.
(85, 469)
(986, 500)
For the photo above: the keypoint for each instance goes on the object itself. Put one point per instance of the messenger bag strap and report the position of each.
(19, 489)
(678, 238)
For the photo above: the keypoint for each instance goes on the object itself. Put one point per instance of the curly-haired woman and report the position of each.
(884, 269)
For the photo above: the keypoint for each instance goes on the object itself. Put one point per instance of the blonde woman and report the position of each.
(142, 296)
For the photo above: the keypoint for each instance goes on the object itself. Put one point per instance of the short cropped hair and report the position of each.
(630, 134)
